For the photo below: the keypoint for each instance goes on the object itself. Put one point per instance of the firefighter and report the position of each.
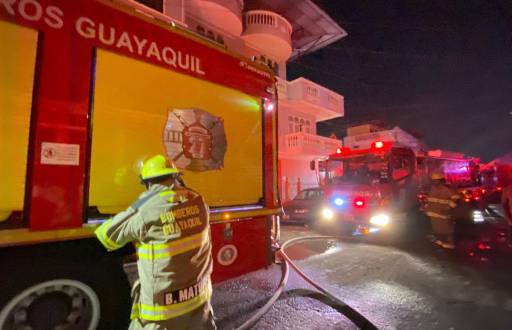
(441, 201)
(169, 225)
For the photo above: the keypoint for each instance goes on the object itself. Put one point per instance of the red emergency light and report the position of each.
(359, 202)
(380, 146)
(483, 246)
(343, 151)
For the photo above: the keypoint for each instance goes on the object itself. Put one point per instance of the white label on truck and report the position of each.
(60, 154)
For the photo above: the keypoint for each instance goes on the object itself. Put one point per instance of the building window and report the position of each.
(200, 30)
(297, 124)
(312, 91)
(302, 126)
(155, 4)
(308, 127)
(210, 35)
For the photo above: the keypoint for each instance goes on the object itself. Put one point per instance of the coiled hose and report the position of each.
(353, 315)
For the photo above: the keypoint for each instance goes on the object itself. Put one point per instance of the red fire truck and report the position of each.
(87, 89)
(369, 189)
(459, 171)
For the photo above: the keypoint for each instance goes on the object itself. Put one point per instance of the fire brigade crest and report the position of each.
(195, 140)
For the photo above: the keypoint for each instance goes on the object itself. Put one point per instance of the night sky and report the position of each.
(440, 69)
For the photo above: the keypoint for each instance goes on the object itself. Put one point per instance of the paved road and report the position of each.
(410, 285)
(414, 285)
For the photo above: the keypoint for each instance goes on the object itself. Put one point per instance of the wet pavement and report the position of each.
(408, 285)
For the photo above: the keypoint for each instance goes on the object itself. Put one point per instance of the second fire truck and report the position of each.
(373, 185)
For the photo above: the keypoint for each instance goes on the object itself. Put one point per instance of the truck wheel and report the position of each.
(55, 304)
(63, 294)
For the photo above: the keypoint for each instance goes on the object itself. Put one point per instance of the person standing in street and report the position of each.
(441, 201)
(169, 225)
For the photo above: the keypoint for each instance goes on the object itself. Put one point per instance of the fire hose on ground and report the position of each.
(353, 315)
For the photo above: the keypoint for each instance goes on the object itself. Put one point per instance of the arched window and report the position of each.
(308, 127)
(200, 30)
(157, 5)
(290, 124)
(297, 124)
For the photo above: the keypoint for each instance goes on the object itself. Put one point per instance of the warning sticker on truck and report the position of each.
(60, 154)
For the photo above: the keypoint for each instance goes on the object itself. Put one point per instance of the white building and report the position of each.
(275, 32)
(362, 137)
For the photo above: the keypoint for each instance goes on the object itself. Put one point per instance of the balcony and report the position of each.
(225, 15)
(306, 96)
(270, 32)
(307, 146)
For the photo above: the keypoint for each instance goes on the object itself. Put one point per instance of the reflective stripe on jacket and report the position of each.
(440, 201)
(171, 232)
(166, 250)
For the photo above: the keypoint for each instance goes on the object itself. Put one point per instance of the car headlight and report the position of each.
(380, 220)
(327, 214)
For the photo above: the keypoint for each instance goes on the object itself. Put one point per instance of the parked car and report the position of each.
(305, 207)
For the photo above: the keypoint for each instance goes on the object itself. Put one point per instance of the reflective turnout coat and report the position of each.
(441, 201)
(171, 232)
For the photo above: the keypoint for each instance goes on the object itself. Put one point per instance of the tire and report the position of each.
(59, 289)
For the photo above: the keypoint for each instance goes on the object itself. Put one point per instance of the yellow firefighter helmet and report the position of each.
(437, 175)
(157, 166)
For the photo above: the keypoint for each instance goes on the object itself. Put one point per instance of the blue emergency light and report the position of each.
(339, 201)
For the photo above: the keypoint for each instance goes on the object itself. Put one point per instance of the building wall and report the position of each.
(233, 43)
(292, 122)
(364, 140)
(293, 170)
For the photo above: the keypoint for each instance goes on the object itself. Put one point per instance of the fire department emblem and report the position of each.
(227, 255)
(195, 140)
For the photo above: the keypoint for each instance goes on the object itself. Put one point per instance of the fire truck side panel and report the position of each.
(66, 45)
(18, 56)
(132, 120)
(60, 133)
(238, 249)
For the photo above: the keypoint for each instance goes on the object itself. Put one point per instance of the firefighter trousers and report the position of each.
(443, 229)
(200, 318)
